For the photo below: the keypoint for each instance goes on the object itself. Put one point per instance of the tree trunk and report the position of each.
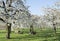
(8, 30)
(54, 26)
(32, 30)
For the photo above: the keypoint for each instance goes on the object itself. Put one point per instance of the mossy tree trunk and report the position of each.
(32, 30)
(54, 23)
(8, 30)
(54, 26)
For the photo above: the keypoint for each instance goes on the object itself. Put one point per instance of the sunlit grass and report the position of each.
(42, 35)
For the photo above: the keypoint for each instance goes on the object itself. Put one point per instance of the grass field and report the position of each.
(42, 35)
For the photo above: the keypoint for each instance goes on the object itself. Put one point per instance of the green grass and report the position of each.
(42, 35)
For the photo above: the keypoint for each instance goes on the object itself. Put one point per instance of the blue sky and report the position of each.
(36, 5)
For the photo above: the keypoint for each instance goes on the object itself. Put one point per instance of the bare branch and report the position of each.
(2, 20)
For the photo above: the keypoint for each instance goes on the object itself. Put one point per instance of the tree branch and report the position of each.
(2, 20)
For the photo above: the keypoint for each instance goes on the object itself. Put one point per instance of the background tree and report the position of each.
(52, 16)
(11, 11)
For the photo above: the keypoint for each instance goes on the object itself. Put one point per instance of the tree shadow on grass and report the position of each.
(58, 36)
(32, 37)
